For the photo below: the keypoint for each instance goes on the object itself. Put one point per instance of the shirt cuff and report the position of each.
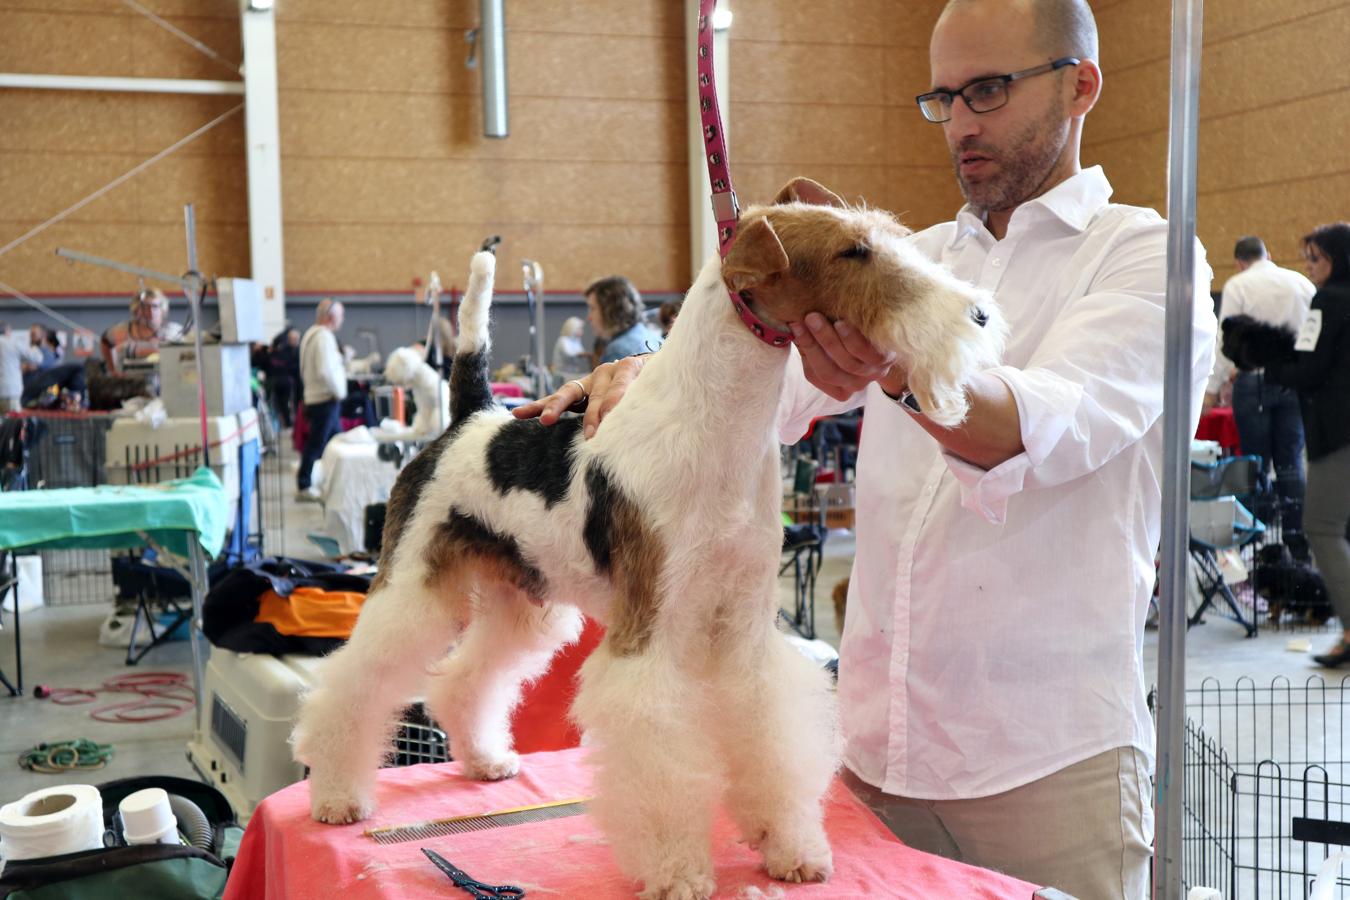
(1046, 404)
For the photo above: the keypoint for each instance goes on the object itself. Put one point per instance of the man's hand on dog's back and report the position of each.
(600, 391)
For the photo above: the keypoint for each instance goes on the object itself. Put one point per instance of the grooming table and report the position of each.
(285, 854)
(184, 519)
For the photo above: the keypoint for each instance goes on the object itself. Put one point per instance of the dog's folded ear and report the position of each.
(804, 190)
(755, 254)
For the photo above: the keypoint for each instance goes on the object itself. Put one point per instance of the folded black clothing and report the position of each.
(1252, 344)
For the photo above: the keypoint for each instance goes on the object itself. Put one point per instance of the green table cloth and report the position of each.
(118, 517)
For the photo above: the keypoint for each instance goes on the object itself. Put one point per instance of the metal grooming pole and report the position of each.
(194, 288)
(1184, 134)
(534, 298)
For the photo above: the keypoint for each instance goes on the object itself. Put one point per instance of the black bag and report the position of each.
(160, 871)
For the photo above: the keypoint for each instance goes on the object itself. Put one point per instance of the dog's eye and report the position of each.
(857, 251)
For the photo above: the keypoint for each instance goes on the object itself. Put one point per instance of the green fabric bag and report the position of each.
(151, 871)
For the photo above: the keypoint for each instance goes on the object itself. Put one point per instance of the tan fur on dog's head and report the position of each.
(809, 251)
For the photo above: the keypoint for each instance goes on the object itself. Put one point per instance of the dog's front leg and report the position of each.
(778, 732)
(655, 781)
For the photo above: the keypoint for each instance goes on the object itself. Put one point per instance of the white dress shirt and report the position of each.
(996, 618)
(1268, 294)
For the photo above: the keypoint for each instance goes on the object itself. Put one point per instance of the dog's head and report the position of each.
(403, 366)
(809, 250)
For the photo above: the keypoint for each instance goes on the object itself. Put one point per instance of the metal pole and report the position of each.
(195, 288)
(492, 43)
(1184, 133)
(198, 573)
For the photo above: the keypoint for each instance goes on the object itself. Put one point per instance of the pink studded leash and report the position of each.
(725, 208)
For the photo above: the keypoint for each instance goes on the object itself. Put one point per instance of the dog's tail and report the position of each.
(470, 386)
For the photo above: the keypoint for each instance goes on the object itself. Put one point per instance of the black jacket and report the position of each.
(1321, 376)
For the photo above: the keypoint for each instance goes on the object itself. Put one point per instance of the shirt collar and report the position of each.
(1074, 201)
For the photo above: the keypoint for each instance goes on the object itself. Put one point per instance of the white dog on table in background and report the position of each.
(407, 369)
(665, 527)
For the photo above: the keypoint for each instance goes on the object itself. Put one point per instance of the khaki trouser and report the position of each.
(1086, 829)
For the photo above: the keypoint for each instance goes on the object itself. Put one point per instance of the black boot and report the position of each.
(1339, 656)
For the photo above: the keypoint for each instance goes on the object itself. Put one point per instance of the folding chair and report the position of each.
(1220, 521)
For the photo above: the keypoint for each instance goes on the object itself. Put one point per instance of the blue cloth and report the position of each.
(1270, 425)
(638, 339)
(118, 517)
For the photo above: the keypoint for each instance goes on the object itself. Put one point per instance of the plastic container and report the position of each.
(147, 818)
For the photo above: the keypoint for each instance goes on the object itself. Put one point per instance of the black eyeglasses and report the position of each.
(983, 94)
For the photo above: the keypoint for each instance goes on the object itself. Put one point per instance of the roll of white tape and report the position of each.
(52, 821)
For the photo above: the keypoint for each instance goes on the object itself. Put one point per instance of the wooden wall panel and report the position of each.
(827, 90)
(1274, 115)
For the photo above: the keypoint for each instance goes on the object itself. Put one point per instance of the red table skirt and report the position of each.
(285, 854)
(1218, 425)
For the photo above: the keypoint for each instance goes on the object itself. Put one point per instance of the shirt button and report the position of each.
(996, 261)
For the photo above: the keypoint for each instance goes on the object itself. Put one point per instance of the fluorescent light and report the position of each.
(260, 5)
(721, 19)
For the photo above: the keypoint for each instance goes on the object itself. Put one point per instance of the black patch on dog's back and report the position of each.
(598, 533)
(470, 387)
(527, 456)
(462, 534)
(403, 499)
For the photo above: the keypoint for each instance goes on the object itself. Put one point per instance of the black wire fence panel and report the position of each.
(1266, 787)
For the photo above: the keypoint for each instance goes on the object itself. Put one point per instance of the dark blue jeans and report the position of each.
(1270, 425)
(323, 425)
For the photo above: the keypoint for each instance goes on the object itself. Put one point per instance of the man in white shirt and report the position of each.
(991, 675)
(1269, 421)
(13, 354)
(325, 381)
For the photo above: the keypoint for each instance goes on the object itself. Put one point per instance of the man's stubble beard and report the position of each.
(1024, 166)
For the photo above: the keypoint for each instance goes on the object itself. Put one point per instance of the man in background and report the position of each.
(1268, 419)
(325, 380)
(12, 357)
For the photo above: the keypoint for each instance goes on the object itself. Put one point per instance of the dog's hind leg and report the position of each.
(656, 778)
(509, 641)
(777, 732)
(346, 721)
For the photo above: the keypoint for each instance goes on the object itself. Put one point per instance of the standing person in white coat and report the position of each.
(991, 675)
(325, 380)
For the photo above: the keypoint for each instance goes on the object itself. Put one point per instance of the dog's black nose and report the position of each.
(980, 317)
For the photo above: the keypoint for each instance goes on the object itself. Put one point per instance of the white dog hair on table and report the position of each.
(408, 369)
(665, 527)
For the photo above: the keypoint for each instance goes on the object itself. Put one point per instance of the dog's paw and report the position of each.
(797, 864)
(493, 768)
(338, 808)
(684, 887)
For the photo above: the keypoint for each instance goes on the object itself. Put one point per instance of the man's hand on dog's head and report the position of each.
(837, 358)
(600, 391)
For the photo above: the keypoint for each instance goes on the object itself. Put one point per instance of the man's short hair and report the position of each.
(325, 307)
(1249, 249)
(1062, 27)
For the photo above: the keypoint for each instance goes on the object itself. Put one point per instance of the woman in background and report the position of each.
(614, 309)
(1318, 368)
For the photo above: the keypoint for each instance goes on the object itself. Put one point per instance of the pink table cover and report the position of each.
(285, 854)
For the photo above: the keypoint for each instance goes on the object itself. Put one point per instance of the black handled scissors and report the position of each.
(476, 889)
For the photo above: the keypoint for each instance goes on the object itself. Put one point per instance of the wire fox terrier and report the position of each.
(665, 527)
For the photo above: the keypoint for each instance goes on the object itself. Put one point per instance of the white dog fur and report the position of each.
(665, 527)
(406, 368)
